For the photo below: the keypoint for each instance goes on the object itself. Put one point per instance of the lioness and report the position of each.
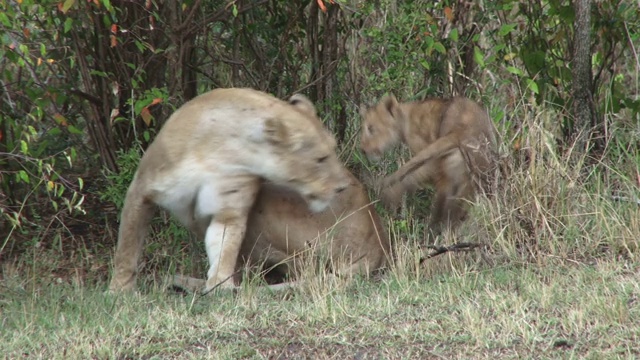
(452, 141)
(206, 166)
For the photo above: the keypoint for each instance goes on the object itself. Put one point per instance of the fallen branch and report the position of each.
(626, 199)
(459, 247)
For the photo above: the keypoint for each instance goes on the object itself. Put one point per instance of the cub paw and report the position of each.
(391, 197)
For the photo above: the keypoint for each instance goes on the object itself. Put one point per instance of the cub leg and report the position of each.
(410, 178)
(438, 208)
(423, 165)
(453, 191)
(134, 223)
(448, 208)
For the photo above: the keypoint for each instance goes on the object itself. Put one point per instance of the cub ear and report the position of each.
(391, 104)
(303, 104)
(275, 131)
(363, 110)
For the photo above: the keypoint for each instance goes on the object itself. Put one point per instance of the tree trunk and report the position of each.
(585, 123)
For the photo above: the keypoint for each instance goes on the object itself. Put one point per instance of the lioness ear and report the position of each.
(275, 131)
(303, 104)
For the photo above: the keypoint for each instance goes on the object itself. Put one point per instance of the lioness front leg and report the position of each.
(222, 240)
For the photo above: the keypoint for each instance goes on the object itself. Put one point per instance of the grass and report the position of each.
(561, 311)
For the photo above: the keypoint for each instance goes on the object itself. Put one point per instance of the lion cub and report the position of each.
(452, 142)
(206, 167)
(348, 235)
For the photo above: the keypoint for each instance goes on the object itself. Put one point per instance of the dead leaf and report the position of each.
(322, 7)
(146, 116)
(61, 120)
(448, 13)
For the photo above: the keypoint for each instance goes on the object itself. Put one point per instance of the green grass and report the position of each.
(561, 311)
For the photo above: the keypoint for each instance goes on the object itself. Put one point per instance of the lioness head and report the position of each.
(380, 127)
(306, 151)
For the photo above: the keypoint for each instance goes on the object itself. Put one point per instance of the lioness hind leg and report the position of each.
(134, 223)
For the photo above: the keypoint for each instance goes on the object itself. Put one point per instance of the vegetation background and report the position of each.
(86, 85)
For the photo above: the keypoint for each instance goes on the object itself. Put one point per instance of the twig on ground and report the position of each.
(439, 250)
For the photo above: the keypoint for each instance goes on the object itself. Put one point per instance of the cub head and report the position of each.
(380, 127)
(306, 159)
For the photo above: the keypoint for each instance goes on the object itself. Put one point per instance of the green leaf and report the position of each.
(425, 64)
(533, 86)
(67, 5)
(24, 176)
(439, 48)
(99, 73)
(514, 70)
(107, 5)
(24, 49)
(68, 24)
(54, 131)
(24, 147)
(4, 19)
(81, 183)
(506, 29)
(478, 57)
(74, 130)
(234, 10)
(141, 47)
(534, 61)
(453, 35)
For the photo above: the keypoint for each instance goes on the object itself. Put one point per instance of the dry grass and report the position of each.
(559, 311)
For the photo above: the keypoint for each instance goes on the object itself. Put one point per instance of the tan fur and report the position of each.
(283, 233)
(207, 164)
(453, 146)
